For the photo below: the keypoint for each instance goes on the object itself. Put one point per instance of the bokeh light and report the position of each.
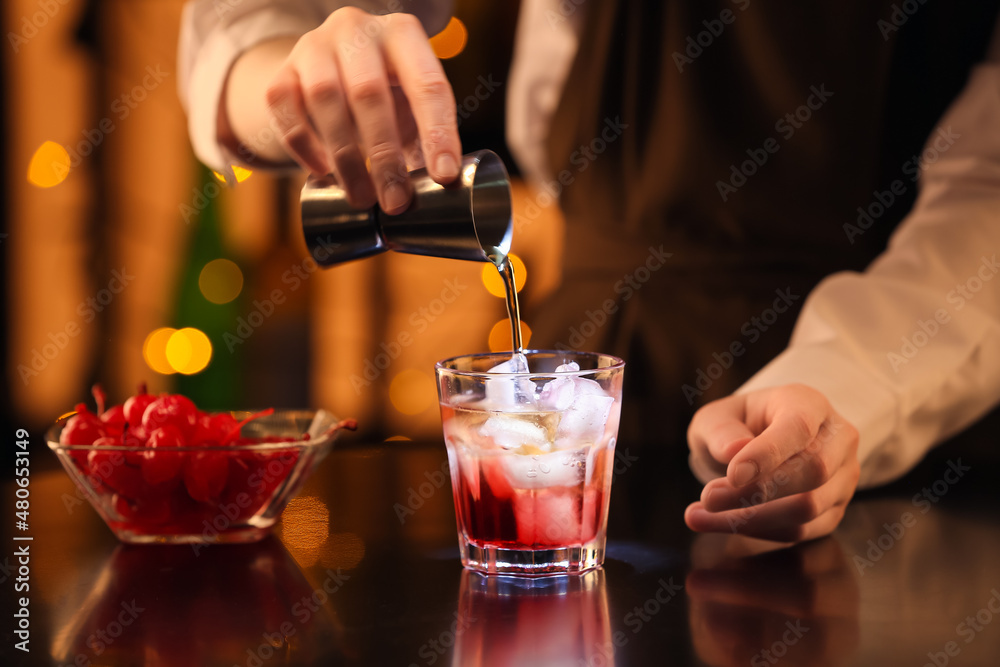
(500, 340)
(342, 550)
(305, 524)
(494, 282)
(241, 174)
(154, 350)
(188, 351)
(220, 281)
(451, 41)
(412, 391)
(49, 165)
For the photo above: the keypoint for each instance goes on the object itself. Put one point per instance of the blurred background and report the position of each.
(125, 261)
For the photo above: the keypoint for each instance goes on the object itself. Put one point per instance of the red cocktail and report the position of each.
(531, 457)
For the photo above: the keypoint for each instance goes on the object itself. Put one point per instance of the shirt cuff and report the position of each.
(208, 77)
(853, 392)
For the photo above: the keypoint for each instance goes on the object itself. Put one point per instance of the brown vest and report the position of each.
(742, 137)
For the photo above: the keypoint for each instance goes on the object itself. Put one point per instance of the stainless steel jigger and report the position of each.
(467, 219)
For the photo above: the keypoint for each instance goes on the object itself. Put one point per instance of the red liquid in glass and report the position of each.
(525, 498)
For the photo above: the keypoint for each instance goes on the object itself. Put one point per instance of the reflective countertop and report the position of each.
(363, 569)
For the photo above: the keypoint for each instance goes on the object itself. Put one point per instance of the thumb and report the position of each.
(717, 433)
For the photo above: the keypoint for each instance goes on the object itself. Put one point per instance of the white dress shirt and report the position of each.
(908, 351)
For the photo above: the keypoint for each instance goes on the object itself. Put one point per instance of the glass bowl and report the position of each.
(228, 493)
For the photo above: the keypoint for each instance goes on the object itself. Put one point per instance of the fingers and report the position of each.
(792, 417)
(366, 84)
(287, 110)
(795, 518)
(408, 132)
(718, 431)
(430, 95)
(769, 524)
(810, 468)
(326, 104)
(336, 104)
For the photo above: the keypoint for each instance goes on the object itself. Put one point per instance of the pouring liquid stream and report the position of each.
(506, 269)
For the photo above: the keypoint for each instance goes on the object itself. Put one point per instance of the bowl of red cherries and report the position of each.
(159, 470)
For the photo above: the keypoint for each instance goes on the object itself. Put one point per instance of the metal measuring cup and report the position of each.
(469, 218)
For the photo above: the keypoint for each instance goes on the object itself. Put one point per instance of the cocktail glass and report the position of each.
(531, 444)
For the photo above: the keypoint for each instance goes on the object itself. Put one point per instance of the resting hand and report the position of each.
(785, 464)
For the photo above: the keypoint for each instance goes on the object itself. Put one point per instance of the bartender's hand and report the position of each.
(785, 464)
(358, 86)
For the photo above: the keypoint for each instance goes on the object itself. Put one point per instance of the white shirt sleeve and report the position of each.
(215, 32)
(548, 35)
(909, 351)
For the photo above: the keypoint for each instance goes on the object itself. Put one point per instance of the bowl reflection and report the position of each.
(181, 606)
(505, 621)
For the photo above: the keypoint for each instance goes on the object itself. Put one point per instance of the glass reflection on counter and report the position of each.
(168, 606)
(753, 603)
(559, 621)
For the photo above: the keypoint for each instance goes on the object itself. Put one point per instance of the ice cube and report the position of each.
(558, 394)
(513, 432)
(538, 471)
(584, 421)
(463, 464)
(550, 519)
(508, 391)
(583, 405)
(518, 363)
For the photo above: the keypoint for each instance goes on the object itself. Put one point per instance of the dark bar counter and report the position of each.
(363, 569)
